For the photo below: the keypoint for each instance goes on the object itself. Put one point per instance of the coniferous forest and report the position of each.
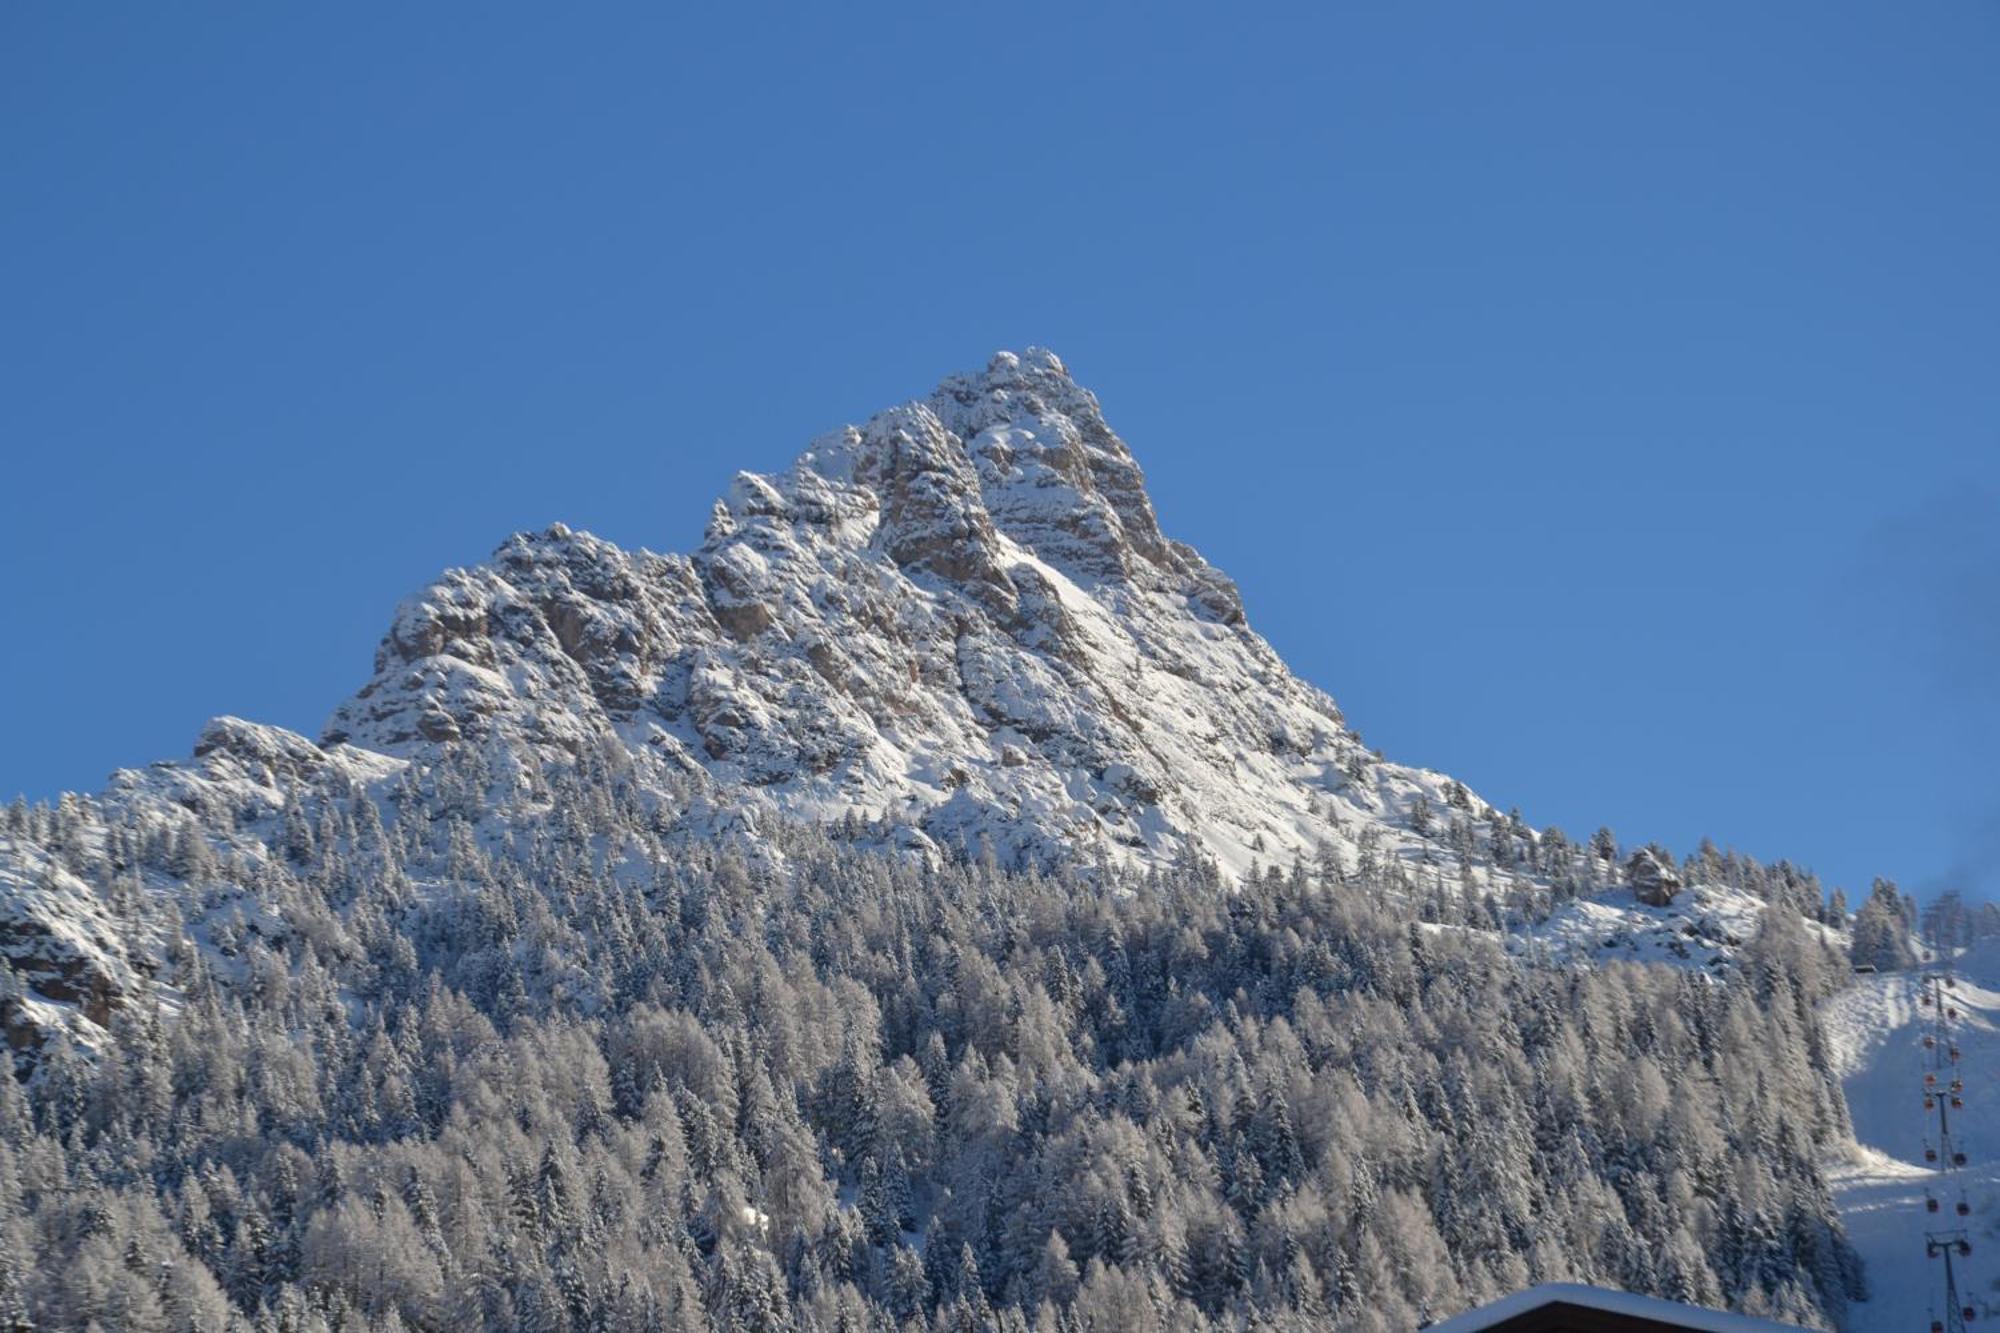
(581, 1071)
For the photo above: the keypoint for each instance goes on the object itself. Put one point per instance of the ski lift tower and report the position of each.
(1957, 1314)
(1944, 1090)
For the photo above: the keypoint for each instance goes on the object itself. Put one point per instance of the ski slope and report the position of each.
(1876, 1028)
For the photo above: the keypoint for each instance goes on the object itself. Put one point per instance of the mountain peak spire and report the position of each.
(963, 610)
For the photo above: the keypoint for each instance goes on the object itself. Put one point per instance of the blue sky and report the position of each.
(1601, 401)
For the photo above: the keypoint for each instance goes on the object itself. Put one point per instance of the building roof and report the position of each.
(1562, 1307)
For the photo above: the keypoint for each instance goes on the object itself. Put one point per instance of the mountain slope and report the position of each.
(560, 983)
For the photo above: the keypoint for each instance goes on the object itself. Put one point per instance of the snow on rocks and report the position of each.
(76, 950)
(962, 614)
(958, 625)
(59, 943)
(1653, 878)
(1698, 928)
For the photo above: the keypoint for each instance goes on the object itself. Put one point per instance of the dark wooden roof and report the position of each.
(1567, 1317)
(1567, 1308)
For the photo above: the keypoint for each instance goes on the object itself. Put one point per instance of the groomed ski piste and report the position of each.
(1877, 1028)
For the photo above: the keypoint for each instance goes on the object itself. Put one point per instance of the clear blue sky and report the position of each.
(1601, 401)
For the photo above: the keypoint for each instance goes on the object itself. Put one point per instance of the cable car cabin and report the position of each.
(1561, 1307)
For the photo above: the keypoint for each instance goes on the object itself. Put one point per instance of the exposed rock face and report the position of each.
(58, 944)
(1653, 878)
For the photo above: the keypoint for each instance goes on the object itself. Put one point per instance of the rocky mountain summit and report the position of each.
(962, 615)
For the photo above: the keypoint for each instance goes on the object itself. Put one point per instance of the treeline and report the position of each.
(421, 1069)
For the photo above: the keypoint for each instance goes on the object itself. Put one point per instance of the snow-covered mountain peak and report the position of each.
(956, 628)
(1018, 449)
(961, 614)
(544, 875)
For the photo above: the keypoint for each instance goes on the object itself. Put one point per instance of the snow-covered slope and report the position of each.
(78, 951)
(1875, 1028)
(1700, 928)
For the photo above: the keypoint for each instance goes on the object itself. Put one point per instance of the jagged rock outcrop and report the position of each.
(58, 945)
(1653, 877)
